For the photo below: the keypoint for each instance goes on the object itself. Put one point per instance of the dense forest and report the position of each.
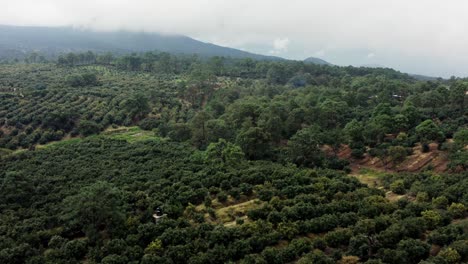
(157, 158)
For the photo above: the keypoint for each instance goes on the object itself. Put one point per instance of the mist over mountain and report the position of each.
(16, 41)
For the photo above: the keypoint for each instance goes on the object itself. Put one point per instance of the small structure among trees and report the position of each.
(158, 214)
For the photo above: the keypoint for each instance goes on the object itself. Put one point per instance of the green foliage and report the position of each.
(199, 129)
(254, 142)
(304, 147)
(429, 131)
(354, 131)
(316, 256)
(85, 79)
(461, 246)
(225, 152)
(440, 202)
(97, 198)
(450, 255)
(432, 218)
(458, 210)
(154, 248)
(136, 106)
(461, 137)
(75, 249)
(92, 199)
(459, 152)
(398, 187)
(180, 132)
(397, 154)
(87, 128)
(416, 250)
(93, 208)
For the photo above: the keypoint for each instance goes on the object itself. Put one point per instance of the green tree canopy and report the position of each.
(95, 207)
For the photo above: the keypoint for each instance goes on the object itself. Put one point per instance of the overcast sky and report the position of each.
(417, 36)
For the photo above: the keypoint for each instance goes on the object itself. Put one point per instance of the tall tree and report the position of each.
(428, 131)
(458, 95)
(199, 129)
(304, 147)
(94, 208)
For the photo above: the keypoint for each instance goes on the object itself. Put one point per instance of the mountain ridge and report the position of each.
(19, 40)
(318, 61)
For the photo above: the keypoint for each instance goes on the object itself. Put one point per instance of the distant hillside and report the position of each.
(372, 65)
(317, 61)
(415, 76)
(15, 41)
(424, 77)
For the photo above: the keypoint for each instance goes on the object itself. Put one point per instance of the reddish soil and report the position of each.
(418, 161)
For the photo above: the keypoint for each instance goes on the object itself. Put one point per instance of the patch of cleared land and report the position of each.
(370, 177)
(130, 134)
(417, 161)
(373, 179)
(227, 215)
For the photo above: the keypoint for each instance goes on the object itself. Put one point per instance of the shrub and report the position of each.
(398, 187)
(357, 153)
(222, 197)
(87, 128)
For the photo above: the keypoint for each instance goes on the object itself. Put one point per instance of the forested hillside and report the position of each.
(273, 110)
(239, 160)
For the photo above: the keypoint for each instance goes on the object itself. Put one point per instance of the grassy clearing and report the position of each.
(61, 143)
(373, 179)
(130, 134)
(393, 197)
(233, 223)
(370, 177)
(4, 152)
(227, 214)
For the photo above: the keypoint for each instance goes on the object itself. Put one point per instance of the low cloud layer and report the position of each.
(420, 36)
(280, 46)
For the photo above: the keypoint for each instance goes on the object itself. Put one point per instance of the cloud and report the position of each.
(320, 53)
(370, 55)
(429, 40)
(280, 45)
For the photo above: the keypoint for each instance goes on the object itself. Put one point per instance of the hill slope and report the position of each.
(317, 61)
(416, 162)
(15, 41)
